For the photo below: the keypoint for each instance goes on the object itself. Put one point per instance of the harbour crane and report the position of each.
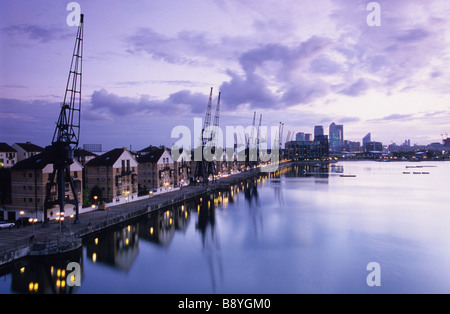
(205, 168)
(250, 149)
(66, 136)
(280, 140)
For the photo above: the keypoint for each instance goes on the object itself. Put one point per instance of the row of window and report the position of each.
(30, 175)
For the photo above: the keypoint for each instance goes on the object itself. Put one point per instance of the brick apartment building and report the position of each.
(156, 169)
(114, 174)
(8, 156)
(29, 179)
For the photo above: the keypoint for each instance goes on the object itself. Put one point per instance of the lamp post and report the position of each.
(21, 216)
(32, 222)
(60, 218)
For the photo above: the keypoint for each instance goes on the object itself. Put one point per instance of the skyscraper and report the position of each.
(366, 139)
(300, 136)
(336, 137)
(318, 131)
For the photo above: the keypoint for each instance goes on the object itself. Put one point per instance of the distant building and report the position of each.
(182, 168)
(300, 137)
(26, 150)
(447, 142)
(373, 147)
(366, 139)
(115, 174)
(336, 137)
(156, 169)
(308, 137)
(93, 148)
(29, 179)
(318, 131)
(352, 147)
(308, 150)
(8, 156)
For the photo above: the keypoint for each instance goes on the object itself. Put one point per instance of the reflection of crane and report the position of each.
(66, 136)
(210, 238)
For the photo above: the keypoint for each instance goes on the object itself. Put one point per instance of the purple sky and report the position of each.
(149, 66)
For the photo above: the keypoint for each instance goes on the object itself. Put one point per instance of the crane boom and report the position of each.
(66, 136)
(68, 126)
(205, 168)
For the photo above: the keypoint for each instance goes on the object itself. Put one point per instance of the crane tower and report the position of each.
(205, 168)
(66, 136)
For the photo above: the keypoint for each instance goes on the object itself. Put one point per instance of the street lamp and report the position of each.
(21, 215)
(60, 218)
(32, 222)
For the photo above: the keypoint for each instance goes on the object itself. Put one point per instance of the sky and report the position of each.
(149, 65)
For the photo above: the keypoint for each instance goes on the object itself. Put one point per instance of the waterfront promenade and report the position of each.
(18, 242)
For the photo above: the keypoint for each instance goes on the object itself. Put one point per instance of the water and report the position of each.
(302, 230)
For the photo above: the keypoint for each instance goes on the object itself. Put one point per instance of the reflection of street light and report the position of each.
(32, 222)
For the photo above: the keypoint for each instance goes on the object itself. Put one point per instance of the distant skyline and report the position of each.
(149, 65)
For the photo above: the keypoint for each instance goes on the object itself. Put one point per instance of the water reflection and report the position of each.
(118, 248)
(45, 275)
(206, 224)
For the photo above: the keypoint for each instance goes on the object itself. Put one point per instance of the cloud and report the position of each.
(357, 88)
(185, 48)
(349, 119)
(28, 120)
(395, 53)
(412, 35)
(109, 106)
(272, 76)
(396, 117)
(41, 34)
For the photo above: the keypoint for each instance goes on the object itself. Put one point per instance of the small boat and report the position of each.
(348, 175)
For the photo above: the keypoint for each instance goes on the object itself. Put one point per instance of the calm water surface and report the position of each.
(302, 230)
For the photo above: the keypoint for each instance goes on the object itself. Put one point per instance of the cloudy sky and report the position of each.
(149, 66)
